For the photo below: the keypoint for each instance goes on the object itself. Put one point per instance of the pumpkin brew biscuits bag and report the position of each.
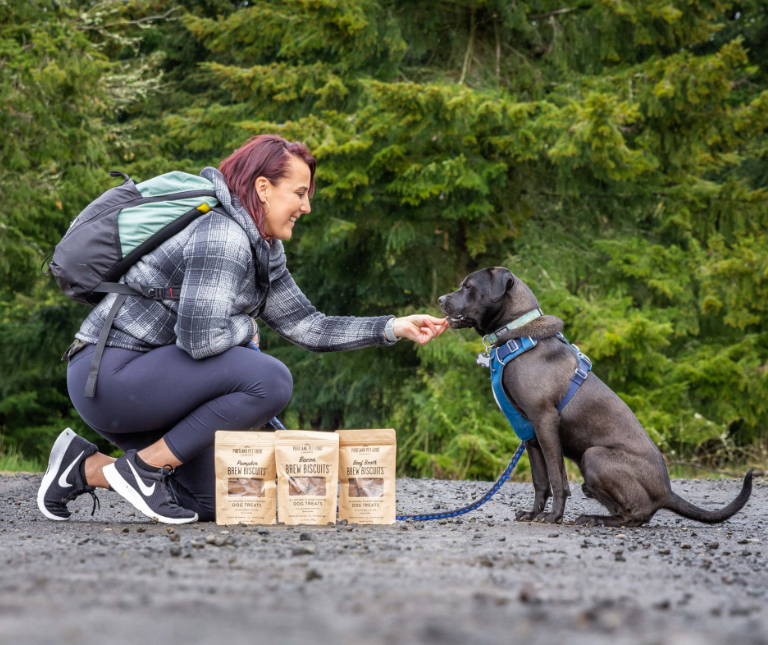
(245, 477)
(307, 476)
(367, 460)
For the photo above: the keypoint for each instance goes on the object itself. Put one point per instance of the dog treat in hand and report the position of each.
(367, 460)
(245, 477)
(307, 476)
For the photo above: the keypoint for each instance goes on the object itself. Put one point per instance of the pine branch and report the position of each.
(559, 12)
(470, 47)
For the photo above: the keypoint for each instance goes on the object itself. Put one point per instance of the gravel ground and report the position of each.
(483, 578)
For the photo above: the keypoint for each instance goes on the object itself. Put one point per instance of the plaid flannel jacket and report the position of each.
(229, 276)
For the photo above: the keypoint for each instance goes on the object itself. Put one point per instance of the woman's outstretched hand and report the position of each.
(420, 328)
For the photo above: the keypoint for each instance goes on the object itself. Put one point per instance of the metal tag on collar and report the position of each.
(484, 358)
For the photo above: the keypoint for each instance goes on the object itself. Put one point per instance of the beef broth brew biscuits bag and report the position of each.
(245, 477)
(307, 476)
(367, 460)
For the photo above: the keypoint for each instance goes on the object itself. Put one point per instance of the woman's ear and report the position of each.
(262, 186)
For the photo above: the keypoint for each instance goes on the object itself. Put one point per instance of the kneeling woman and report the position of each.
(174, 372)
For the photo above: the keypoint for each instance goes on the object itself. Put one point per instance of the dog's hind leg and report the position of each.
(609, 478)
(540, 482)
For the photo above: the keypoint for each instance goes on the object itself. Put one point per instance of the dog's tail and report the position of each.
(686, 509)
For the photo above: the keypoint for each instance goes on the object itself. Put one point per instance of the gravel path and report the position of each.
(480, 579)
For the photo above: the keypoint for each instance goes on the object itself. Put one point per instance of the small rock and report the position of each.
(313, 574)
(175, 550)
(305, 536)
(308, 549)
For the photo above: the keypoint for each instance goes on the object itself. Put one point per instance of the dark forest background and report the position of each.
(613, 153)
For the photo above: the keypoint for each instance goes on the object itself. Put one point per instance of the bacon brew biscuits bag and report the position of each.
(245, 477)
(307, 476)
(367, 461)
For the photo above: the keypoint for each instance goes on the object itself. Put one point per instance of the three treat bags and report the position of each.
(311, 469)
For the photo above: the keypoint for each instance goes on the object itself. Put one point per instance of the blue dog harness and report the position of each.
(498, 358)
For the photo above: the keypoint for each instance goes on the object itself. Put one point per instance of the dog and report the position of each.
(622, 468)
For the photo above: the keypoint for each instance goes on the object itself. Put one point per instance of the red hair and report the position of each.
(266, 155)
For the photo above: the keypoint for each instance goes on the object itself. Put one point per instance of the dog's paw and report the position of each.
(586, 520)
(549, 518)
(525, 516)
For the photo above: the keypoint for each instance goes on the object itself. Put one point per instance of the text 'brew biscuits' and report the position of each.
(245, 477)
(307, 476)
(367, 462)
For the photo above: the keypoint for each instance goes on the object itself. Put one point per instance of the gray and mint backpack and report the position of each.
(114, 231)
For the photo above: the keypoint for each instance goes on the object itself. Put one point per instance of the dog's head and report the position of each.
(487, 299)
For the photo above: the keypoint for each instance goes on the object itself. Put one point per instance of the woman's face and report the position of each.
(286, 201)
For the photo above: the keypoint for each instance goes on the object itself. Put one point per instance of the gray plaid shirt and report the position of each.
(229, 276)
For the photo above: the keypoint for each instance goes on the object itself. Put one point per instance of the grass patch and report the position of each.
(13, 462)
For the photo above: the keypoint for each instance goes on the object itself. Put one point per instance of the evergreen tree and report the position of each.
(612, 154)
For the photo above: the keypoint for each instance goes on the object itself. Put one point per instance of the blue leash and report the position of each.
(275, 423)
(477, 503)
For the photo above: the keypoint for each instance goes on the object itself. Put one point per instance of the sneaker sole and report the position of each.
(54, 463)
(129, 494)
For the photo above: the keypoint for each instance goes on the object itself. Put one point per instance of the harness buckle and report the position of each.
(511, 347)
(582, 374)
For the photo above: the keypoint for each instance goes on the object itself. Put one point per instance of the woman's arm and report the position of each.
(289, 312)
(217, 259)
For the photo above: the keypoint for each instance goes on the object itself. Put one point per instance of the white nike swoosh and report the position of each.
(63, 477)
(145, 490)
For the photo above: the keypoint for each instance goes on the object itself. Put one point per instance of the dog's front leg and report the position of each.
(548, 437)
(540, 482)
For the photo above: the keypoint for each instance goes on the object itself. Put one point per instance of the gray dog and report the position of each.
(621, 466)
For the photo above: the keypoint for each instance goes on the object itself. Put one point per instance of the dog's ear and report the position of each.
(501, 281)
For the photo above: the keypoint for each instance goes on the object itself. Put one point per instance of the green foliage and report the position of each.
(612, 154)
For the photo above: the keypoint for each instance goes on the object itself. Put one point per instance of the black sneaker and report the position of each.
(63, 480)
(148, 489)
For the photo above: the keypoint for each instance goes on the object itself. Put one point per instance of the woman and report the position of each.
(174, 372)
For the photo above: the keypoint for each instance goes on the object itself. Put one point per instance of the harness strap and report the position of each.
(579, 376)
(583, 367)
(500, 356)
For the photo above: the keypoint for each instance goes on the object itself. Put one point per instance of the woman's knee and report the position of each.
(279, 385)
(270, 383)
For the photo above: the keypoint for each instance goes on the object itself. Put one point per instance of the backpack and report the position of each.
(114, 231)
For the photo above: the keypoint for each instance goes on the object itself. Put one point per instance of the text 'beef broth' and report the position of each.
(367, 462)
(307, 476)
(245, 477)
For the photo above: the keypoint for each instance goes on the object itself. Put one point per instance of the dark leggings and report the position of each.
(143, 396)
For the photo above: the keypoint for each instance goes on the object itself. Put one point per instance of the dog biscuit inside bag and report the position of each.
(307, 476)
(245, 477)
(367, 462)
